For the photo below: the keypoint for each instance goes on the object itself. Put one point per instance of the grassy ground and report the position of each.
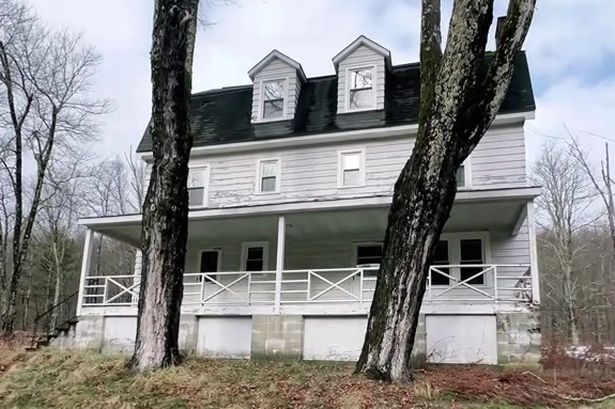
(49, 379)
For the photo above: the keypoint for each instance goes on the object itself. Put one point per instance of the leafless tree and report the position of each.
(563, 215)
(603, 183)
(460, 96)
(45, 78)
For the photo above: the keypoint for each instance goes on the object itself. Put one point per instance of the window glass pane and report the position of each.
(351, 161)
(440, 257)
(255, 253)
(196, 177)
(472, 253)
(269, 168)
(369, 251)
(351, 177)
(273, 108)
(361, 98)
(361, 78)
(195, 196)
(274, 90)
(255, 258)
(254, 265)
(268, 184)
(461, 176)
(273, 99)
(209, 261)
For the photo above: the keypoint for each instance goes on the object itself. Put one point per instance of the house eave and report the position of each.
(330, 137)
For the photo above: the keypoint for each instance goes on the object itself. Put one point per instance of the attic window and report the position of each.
(274, 93)
(361, 92)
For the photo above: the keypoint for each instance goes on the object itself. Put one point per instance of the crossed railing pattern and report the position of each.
(500, 283)
(111, 290)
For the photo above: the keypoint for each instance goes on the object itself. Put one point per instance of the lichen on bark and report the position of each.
(459, 100)
(165, 209)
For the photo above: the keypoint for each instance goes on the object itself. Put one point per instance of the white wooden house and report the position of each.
(290, 183)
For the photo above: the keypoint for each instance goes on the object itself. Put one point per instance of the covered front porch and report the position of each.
(322, 258)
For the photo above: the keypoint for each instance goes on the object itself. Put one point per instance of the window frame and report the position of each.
(205, 166)
(340, 168)
(359, 67)
(467, 174)
(261, 104)
(278, 179)
(454, 254)
(244, 254)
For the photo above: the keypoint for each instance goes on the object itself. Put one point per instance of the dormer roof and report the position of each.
(362, 41)
(272, 56)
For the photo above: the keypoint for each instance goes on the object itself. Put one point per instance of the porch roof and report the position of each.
(499, 210)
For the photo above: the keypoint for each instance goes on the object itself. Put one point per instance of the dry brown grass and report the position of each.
(60, 379)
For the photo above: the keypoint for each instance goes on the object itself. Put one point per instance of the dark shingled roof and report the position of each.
(223, 116)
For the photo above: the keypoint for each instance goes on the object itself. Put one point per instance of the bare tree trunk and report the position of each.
(165, 211)
(459, 100)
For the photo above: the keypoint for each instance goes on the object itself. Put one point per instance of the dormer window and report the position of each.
(274, 95)
(360, 89)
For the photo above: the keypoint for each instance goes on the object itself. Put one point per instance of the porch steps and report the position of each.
(61, 330)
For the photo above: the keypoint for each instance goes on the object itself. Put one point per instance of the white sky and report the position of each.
(570, 48)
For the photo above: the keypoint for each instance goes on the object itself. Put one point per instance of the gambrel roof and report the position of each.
(223, 116)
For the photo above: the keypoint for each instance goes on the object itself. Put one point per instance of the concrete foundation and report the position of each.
(336, 338)
(519, 338)
(277, 336)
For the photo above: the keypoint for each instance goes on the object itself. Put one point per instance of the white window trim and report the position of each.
(200, 258)
(467, 174)
(207, 167)
(278, 179)
(244, 253)
(360, 243)
(261, 102)
(340, 169)
(374, 69)
(454, 254)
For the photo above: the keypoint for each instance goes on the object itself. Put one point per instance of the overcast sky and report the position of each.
(570, 48)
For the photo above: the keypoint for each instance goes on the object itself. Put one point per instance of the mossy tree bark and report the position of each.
(460, 97)
(165, 210)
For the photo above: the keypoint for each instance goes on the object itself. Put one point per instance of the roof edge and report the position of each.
(272, 55)
(362, 40)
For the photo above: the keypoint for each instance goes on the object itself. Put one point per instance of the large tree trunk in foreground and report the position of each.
(459, 100)
(165, 211)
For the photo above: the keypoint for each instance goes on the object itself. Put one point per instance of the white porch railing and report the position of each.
(493, 282)
(486, 283)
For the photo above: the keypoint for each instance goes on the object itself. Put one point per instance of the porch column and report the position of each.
(531, 228)
(279, 265)
(85, 266)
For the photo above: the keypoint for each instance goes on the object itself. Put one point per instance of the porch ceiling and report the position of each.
(500, 216)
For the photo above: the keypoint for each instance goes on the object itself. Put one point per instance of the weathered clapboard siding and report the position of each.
(277, 69)
(499, 159)
(311, 172)
(361, 57)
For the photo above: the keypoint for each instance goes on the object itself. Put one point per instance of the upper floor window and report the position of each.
(351, 168)
(268, 180)
(368, 255)
(464, 175)
(274, 95)
(197, 181)
(360, 90)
